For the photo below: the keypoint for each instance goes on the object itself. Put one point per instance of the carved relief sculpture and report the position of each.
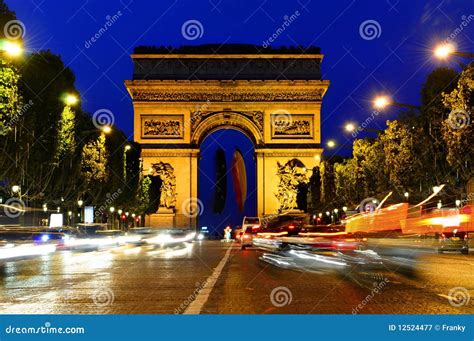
(162, 126)
(292, 126)
(168, 185)
(291, 175)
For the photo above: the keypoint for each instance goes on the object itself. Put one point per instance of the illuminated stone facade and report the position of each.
(180, 98)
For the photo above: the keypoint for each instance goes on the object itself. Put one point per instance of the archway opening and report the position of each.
(227, 185)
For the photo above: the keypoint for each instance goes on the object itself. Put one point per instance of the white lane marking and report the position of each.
(204, 293)
(446, 296)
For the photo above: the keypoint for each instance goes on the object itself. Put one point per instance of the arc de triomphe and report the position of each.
(180, 97)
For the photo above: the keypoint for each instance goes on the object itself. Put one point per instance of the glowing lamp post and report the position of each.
(11, 48)
(71, 100)
(382, 102)
(444, 51)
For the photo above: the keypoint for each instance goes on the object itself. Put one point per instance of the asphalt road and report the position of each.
(214, 277)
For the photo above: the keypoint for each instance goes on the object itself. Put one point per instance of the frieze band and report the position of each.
(226, 95)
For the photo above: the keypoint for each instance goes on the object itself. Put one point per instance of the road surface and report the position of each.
(212, 277)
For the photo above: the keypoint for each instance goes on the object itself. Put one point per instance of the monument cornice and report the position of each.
(226, 56)
(226, 91)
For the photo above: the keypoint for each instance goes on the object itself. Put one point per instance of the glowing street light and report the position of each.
(350, 127)
(16, 189)
(12, 49)
(106, 129)
(344, 208)
(71, 99)
(443, 51)
(331, 144)
(407, 195)
(80, 203)
(128, 147)
(112, 209)
(381, 102)
(458, 203)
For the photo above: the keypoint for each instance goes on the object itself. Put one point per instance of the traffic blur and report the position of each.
(394, 238)
(19, 243)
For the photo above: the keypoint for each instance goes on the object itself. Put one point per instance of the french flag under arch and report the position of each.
(239, 179)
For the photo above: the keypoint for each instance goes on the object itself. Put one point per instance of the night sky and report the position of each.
(394, 60)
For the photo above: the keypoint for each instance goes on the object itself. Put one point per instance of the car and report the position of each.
(283, 225)
(454, 240)
(237, 232)
(289, 224)
(250, 227)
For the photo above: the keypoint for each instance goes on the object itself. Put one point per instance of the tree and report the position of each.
(457, 128)
(327, 182)
(66, 133)
(404, 157)
(370, 162)
(94, 161)
(314, 191)
(346, 182)
(9, 97)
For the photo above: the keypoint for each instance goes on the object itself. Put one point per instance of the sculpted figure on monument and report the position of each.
(168, 186)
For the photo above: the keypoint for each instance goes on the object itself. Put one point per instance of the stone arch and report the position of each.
(233, 120)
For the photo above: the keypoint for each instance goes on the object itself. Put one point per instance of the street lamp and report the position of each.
(350, 127)
(407, 195)
(16, 189)
(381, 102)
(128, 147)
(106, 129)
(12, 49)
(458, 203)
(112, 210)
(80, 202)
(443, 51)
(331, 143)
(71, 99)
(344, 208)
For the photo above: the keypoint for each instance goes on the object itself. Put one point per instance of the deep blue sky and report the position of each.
(397, 61)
